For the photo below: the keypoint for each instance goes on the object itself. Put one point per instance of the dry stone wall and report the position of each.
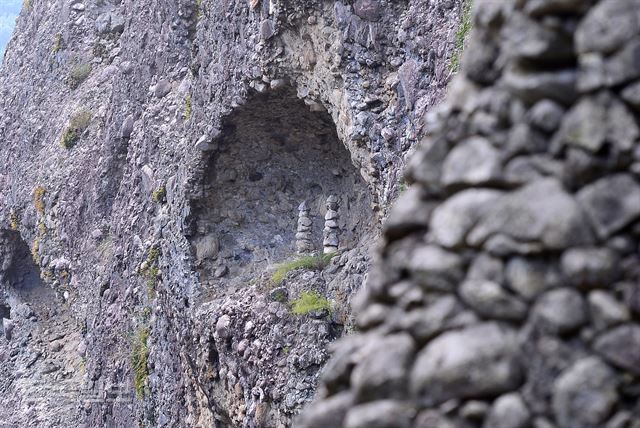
(506, 292)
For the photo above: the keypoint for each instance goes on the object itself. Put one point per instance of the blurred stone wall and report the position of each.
(506, 293)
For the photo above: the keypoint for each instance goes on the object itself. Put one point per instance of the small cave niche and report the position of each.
(5, 313)
(273, 154)
(18, 271)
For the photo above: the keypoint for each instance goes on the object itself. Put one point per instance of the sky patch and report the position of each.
(9, 10)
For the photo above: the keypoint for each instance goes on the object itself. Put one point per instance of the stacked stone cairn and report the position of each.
(331, 231)
(507, 288)
(304, 234)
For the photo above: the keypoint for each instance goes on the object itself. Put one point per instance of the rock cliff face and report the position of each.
(154, 156)
(506, 291)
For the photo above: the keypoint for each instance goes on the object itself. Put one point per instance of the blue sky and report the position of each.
(9, 10)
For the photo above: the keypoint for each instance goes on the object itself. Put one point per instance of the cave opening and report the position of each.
(19, 271)
(273, 155)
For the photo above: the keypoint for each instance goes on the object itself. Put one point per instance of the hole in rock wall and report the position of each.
(5, 313)
(18, 270)
(274, 154)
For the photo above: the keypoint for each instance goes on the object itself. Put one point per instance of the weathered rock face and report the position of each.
(518, 285)
(154, 150)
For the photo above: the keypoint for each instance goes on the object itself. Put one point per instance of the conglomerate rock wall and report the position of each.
(113, 114)
(506, 293)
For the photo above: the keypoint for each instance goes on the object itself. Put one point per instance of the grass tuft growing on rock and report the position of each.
(57, 43)
(461, 35)
(159, 195)
(310, 301)
(79, 74)
(14, 221)
(77, 125)
(308, 262)
(38, 199)
(188, 107)
(140, 360)
(151, 271)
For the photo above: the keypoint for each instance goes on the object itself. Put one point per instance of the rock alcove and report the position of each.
(273, 154)
(19, 275)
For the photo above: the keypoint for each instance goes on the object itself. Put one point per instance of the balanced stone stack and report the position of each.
(331, 229)
(507, 291)
(304, 235)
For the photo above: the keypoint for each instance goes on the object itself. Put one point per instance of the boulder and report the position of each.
(478, 361)
(541, 212)
(611, 203)
(584, 394)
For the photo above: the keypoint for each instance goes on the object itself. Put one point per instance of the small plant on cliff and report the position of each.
(79, 74)
(140, 361)
(26, 4)
(57, 43)
(14, 221)
(35, 249)
(38, 199)
(77, 125)
(188, 107)
(310, 301)
(199, 9)
(151, 271)
(159, 195)
(308, 262)
(462, 34)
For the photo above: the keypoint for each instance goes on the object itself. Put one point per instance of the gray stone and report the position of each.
(490, 300)
(127, 127)
(7, 328)
(621, 347)
(204, 143)
(267, 29)
(611, 203)
(409, 213)
(426, 166)
(539, 212)
(560, 311)
(331, 215)
(535, 86)
(474, 410)
(433, 419)
(485, 267)
(370, 10)
(162, 88)
(546, 115)
(590, 267)
(508, 411)
(380, 414)
(597, 120)
(472, 162)
(584, 394)
(607, 26)
(435, 268)
(445, 313)
(223, 326)
(327, 413)
(527, 169)
(529, 278)
(382, 367)
(528, 38)
(544, 7)
(452, 220)
(478, 361)
(631, 94)
(605, 310)
(624, 65)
